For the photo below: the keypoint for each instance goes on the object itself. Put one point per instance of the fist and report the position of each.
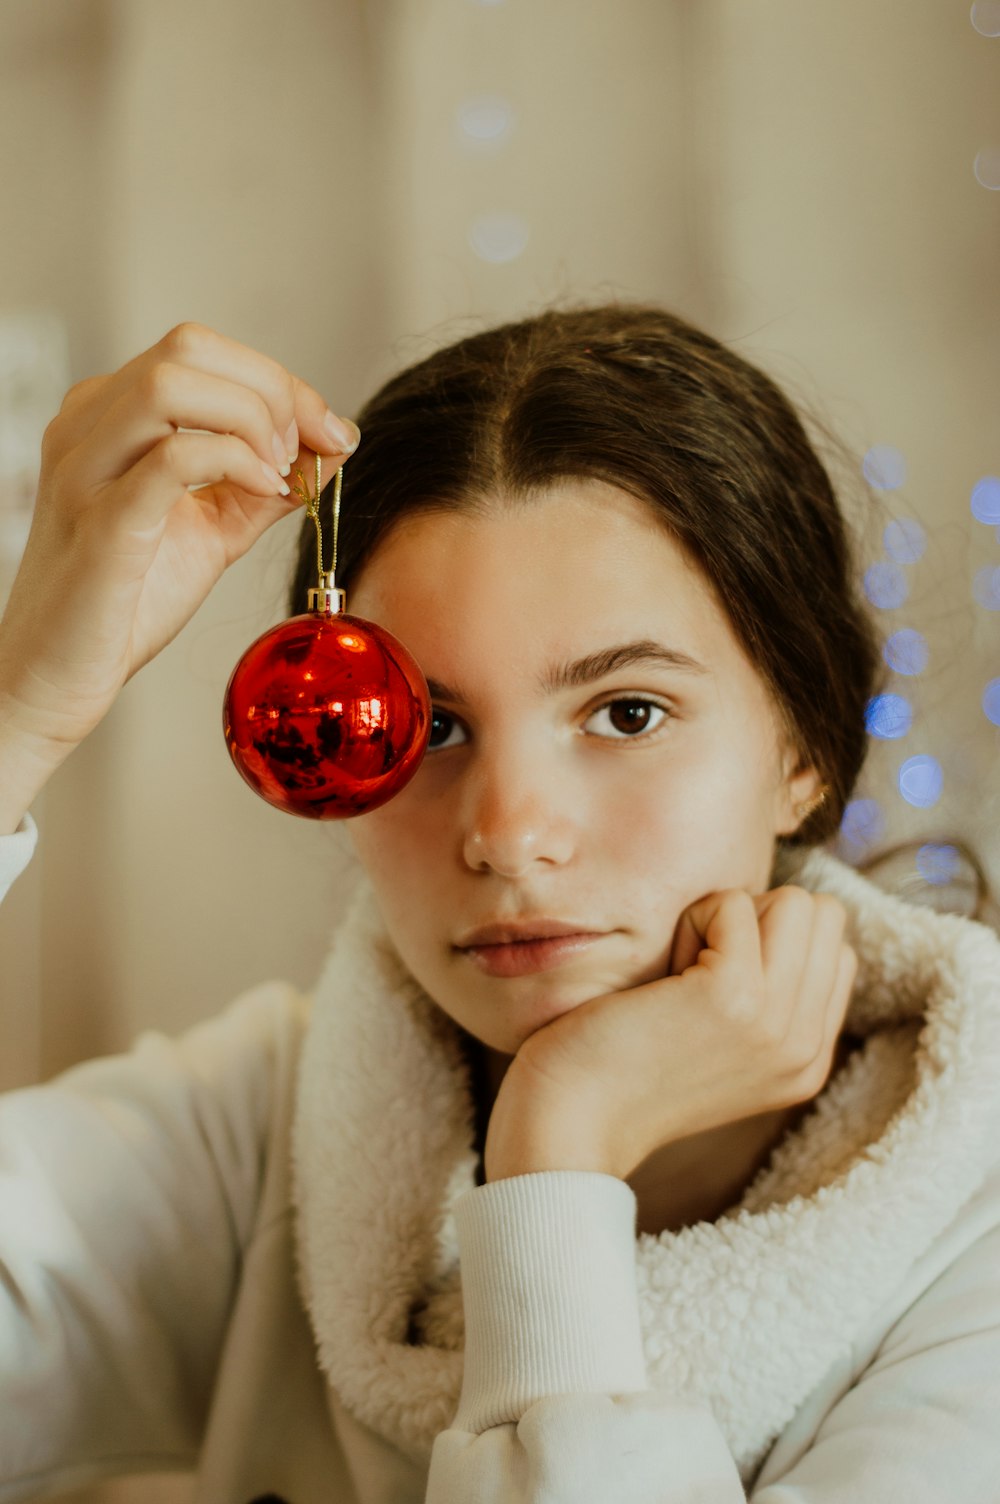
(745, 1022)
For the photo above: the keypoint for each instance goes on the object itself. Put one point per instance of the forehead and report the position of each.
(578, 560)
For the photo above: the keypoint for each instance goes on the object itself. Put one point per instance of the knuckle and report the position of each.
(51, 439)
(156, 383)
(185, 338)
(170, 452)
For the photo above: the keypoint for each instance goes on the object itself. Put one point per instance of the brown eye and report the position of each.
(442, 726)
(630, 717)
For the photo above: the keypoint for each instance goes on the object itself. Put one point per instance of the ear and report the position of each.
(800, 783)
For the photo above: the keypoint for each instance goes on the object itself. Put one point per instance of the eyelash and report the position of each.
(644, 735)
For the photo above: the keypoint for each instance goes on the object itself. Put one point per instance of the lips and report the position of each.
(514, 930)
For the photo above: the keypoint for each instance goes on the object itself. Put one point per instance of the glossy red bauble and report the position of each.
(327, 716)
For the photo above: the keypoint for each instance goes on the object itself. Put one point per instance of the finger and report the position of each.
(723, 923)
(786, 934)
(166, 398)
(141, 499)
(297, 409)
(820, 976)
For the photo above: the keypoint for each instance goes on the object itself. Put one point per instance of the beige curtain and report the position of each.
(346, 185)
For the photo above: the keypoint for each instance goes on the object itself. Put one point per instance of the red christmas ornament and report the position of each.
(327, 715)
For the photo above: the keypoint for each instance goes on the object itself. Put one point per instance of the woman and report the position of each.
(606, 1160)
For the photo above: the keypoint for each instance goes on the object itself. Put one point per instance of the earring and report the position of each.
(809, 806)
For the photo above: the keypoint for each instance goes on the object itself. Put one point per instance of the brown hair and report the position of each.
(632, 395)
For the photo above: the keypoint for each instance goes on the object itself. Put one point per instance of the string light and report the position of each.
(987, 167)
(985, 500)
(498, 237)
(888, 717)
(862, 823)
(986, 17)
(886, 585)
(921, 780)
(884, 467)
(906, 651)
(938, 862)
(991, 701)
(905, 540)
(986, 587)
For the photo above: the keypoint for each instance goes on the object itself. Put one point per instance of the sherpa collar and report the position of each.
(748, 1311)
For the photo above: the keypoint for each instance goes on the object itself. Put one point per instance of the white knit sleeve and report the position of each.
(16, 852)
(128, 1191)
(555, 1404)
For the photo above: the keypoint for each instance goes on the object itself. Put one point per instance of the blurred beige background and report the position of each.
(345, 186)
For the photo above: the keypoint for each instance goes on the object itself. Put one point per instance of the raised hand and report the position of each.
(122, 551)
(747, 1021)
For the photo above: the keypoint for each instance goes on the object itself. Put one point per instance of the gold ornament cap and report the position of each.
(326, 597)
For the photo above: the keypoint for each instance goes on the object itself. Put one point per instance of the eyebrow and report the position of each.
(594, 666)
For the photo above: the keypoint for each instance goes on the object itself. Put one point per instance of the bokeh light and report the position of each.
(986, 17)
(938, 863)
(986, 586)
(498, 237)
(863, 822)
(485, 120)
(888, 717)
(886, 585)
(905, 540)
(987, 167)
(991, 701)
(985, 500)
(884, 467)
(906, 651)
(921, 780)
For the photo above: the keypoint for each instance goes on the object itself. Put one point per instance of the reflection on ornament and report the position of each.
(327, 715)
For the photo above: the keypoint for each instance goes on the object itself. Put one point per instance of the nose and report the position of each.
(518, 813)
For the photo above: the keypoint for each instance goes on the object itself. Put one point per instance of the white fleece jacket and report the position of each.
(259, 1251)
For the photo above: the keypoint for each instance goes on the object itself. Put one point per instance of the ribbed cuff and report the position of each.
(549, 1290)
(16, 852)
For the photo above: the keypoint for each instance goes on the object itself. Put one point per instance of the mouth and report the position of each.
(518, 958)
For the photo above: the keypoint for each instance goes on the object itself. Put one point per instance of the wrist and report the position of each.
(27, 762)
(527, 1142)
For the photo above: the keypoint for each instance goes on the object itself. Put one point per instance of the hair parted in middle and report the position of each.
(634, 396)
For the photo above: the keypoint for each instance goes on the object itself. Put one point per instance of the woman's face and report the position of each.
(574, 773)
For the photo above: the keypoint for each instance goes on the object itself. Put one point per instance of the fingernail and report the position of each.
(342, 432)
(274, 479)
(279, 454)
(292, 442)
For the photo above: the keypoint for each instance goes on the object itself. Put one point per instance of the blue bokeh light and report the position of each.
(991, 701)
(498, 237)
(906, 651)
(888, 717)
(938, 863)
(905, 540)
(987, 167)
(863, 822)
(985, 500)
(921, 780)
(485, 119)
(985, 16)
(886, 585)
(986, 587)
(884, 467)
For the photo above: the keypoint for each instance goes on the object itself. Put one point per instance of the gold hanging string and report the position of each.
(311, 504)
